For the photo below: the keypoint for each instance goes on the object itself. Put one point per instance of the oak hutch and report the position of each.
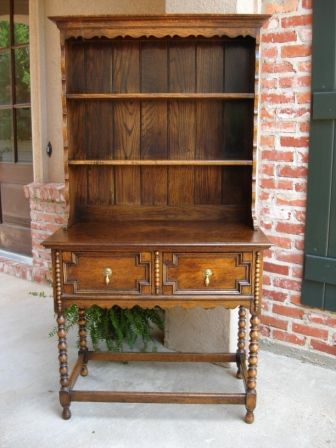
(160, 154)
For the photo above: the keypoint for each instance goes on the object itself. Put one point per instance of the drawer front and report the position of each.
(207, 273)
(117, 273)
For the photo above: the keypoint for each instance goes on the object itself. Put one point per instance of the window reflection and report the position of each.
(24, 137)
(5, 78)
(6, 136)
(4, 24)
(22, 76)
(21, 22)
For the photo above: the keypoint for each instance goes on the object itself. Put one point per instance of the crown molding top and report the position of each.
(159, 26)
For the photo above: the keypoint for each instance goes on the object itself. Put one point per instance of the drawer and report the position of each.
(106, 273)
(207, 273)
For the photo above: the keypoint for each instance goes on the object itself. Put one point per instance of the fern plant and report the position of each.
(116, 325)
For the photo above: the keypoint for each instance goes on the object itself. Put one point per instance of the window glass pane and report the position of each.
(24, 138)
(6, 136)
(22, 75)
(21, 22)
(4, 24)
(5, 78)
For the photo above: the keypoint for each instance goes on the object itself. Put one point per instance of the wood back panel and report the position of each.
(160, 129)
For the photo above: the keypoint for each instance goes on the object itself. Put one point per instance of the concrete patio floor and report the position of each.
(296, 400)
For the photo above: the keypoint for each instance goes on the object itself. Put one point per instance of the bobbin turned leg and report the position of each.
(63, 367)
(251, 383)
(241, 353)
(83, 350)
(64, 395)
(251, 397)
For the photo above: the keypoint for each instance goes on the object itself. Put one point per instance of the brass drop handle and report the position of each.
(107, 275)
(207, 275)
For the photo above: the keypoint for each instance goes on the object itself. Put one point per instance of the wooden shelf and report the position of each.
(159, 96)
(160, 162)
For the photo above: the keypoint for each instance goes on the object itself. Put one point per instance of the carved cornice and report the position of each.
(181, 25)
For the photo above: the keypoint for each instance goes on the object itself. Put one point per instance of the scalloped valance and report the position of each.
(160, 26)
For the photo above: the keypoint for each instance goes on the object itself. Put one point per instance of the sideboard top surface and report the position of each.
(105, 235)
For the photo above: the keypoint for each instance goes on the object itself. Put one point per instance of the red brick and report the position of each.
(304, 81)
(295, 51)
(266, 279)
(271, 6)
(267, 140)
(300, 216)
(284, 36)
(295, 299)
(288, 284)
(322, 347)
(270, 52)
(304, 66)
(279, 67)
(286, 82)
(268, 183)
(289, 257)
(307, 4)
(288, 227)
(288, 337)
(322, 320)
(297, 272)
(274, 322)
(265, 331)
(278, 296)
(283, 242)
(305, 127)
(303, 98)
(268, 170)
(310, 331)
(277, 98)
(296, 142)
(284, 185)
(282, 200)
(293, 112)
(288, 311)
(265, 225)
(302, 157)
(301, 187)
(283, 156)
(299, 244)
(294, 21)
(289, 171)
(269, 83)
(276, 268)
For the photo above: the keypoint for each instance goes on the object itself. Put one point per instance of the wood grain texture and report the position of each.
(126, 119)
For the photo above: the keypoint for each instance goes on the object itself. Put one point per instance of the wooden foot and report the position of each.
(84, 371)
(83, 349)
(239, 375)
(249, 417)
(66, 414)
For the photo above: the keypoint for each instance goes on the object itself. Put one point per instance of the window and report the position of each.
(15, 110)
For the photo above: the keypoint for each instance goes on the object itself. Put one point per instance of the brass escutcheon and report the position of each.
(107, 275)
(207, 275)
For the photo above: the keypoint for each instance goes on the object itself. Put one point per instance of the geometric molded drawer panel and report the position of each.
(207, 273)
(107, 273)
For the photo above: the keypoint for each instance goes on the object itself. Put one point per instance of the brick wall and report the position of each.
(284, 140)
(48, 213)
